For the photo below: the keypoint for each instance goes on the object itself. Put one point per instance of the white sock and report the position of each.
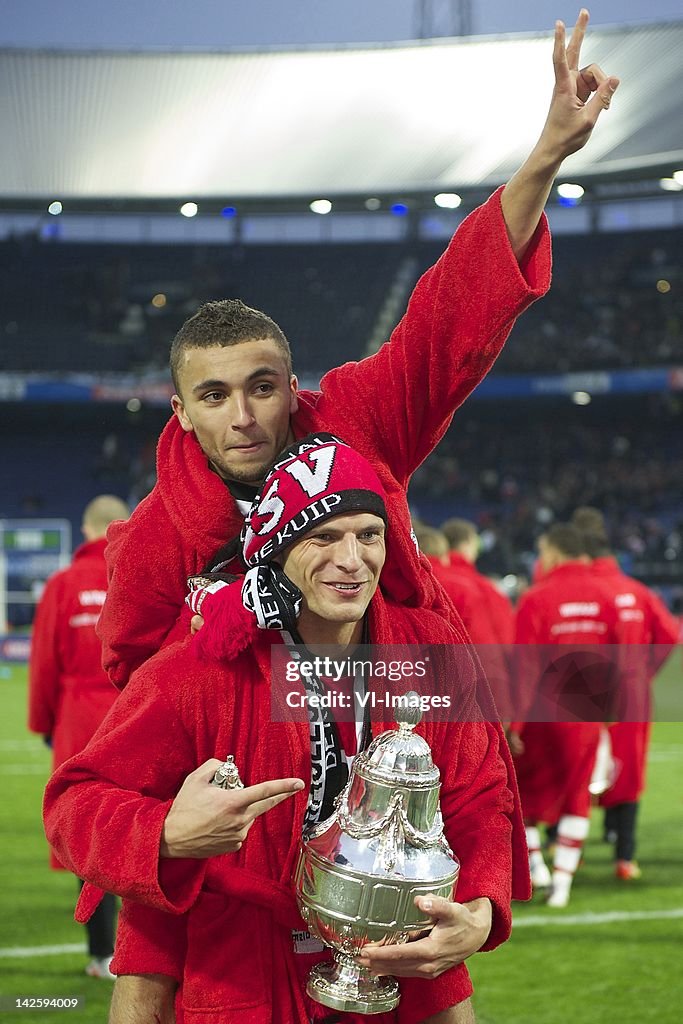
(571, 833)
(560, 888)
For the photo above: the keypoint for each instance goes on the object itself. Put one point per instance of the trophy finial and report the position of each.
(408, 714)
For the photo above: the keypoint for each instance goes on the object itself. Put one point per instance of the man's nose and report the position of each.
(347, 553)
(241, 415)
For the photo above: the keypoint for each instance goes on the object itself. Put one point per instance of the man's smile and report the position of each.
(350, 589)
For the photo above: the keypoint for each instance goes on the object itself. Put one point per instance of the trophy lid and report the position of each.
(400, 757)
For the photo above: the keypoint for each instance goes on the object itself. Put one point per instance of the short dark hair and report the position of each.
(458, 531)
(591, 522)
(222, 323)
(566, 538)
(590, 519)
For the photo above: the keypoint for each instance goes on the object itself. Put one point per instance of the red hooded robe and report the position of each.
(105, 809)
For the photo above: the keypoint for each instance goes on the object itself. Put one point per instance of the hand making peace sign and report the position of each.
(573, 110)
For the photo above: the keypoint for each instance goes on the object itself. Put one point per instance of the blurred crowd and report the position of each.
(616, 301)
(516, 468)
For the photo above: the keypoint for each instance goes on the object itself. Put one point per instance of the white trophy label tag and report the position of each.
(304, 942)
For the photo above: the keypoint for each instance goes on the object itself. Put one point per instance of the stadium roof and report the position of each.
(442, 115)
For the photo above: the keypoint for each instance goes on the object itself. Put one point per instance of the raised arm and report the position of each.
(395, 405)
(579, 97)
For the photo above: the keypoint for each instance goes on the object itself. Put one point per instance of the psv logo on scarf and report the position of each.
(313, 478)
(317, 478)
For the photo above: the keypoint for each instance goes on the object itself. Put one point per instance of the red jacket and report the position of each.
(569, 606)
(69, 692)
(496, 608)
(465, 598)
(105, 809)
(643, 618)
(646, 624)
(492, 629)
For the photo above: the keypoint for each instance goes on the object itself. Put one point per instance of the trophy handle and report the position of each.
(394, 817)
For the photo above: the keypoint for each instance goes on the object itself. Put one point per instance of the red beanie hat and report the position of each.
(313, 480)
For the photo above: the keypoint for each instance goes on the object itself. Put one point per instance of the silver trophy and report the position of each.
(358, 872)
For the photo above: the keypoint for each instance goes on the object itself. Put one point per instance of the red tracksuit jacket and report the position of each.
(568, 607)
(646, 624)
(69, 692)
(497, 608)
(465, 598)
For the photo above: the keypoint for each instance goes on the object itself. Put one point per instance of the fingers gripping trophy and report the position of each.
(358, 872)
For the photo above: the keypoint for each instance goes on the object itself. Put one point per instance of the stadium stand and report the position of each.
(622, 454)
(615, 303)
(628, 465)
(94, 310)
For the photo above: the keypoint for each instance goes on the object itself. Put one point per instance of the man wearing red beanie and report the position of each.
(134, 814)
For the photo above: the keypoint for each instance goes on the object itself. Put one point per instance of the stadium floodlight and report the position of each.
(373, 203)
(570, 190)
(133, 405)
(678, 177)
(671, 185)
(321, 206)
(448, 200)
(55, 208)
(581, 398)
(189, 209)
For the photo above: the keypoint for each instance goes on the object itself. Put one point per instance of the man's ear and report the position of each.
(293, 401)
(179, 410)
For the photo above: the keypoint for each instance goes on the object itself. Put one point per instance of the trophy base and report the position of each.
(343, 985)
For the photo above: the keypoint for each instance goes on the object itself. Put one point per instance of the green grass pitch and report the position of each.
(622, 971)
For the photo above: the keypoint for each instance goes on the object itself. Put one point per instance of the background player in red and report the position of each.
(556, 757)
(648, 627)
(69, 692)
(463, 539)
(463, 594)
(479, 612)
